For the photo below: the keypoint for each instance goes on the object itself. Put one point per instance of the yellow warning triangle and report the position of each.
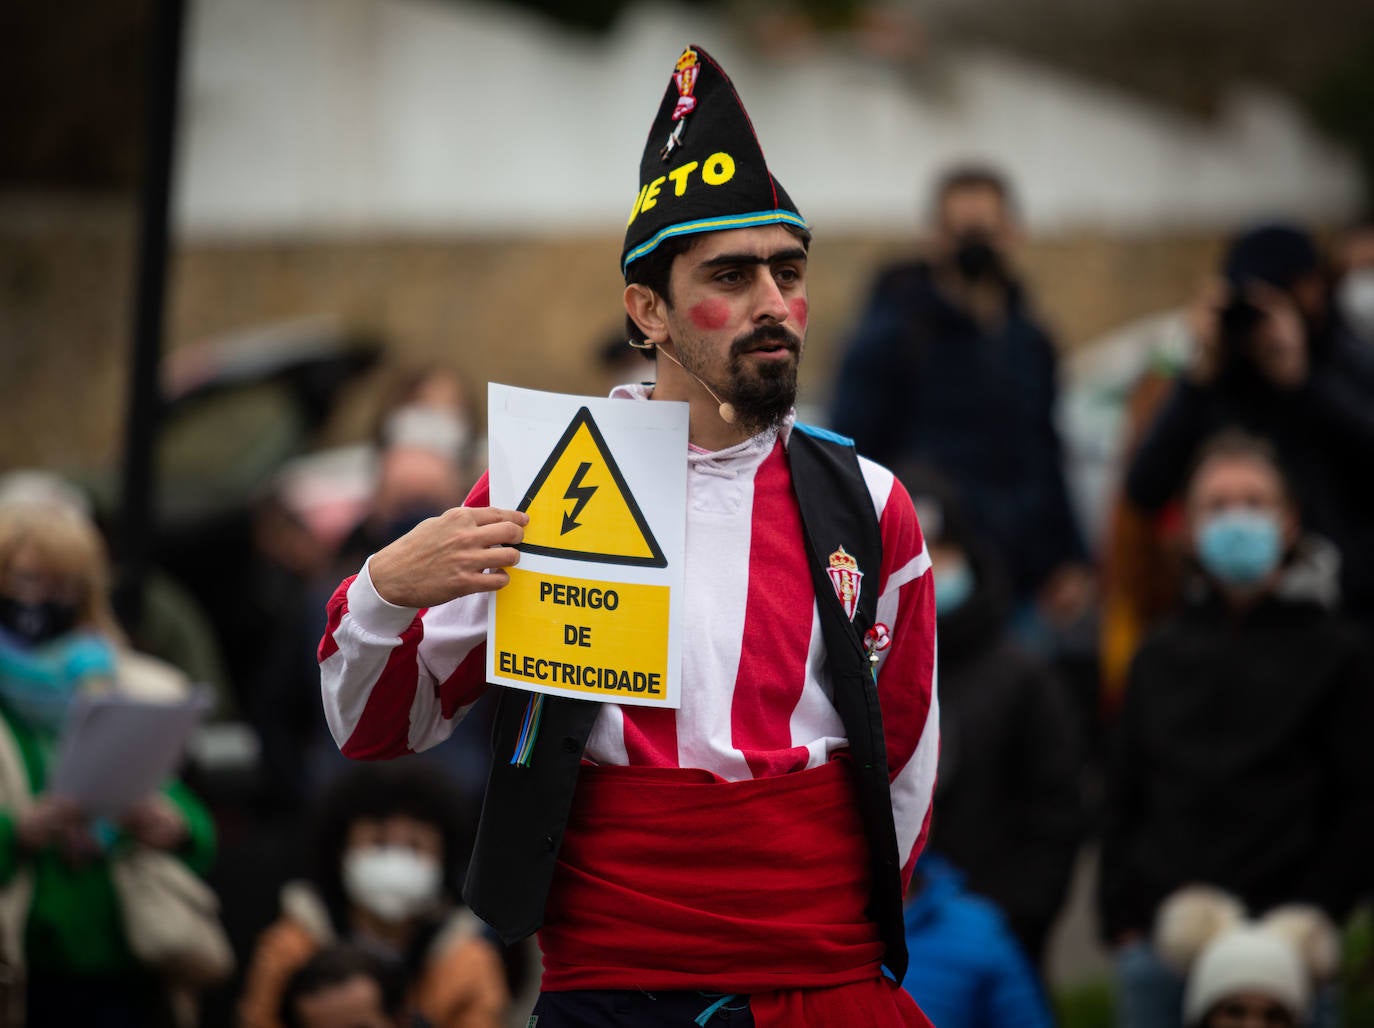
(581, 508)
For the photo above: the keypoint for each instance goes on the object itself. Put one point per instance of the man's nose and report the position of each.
(770, 304)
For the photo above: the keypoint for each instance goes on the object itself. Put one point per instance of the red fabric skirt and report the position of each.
(672, 878)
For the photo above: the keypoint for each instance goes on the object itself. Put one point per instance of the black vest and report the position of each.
(526, 807)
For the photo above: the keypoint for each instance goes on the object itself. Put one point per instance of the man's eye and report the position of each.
(790, 276)
(730, 278)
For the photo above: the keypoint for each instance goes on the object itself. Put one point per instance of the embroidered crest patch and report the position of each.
(845, 576)
(685, 77)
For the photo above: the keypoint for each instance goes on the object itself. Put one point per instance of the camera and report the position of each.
(1236, 322)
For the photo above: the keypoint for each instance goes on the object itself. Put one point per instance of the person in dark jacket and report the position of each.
(1242, 759)
(1270, 357)
(950, 368)
(1008, 803)
(966, 969)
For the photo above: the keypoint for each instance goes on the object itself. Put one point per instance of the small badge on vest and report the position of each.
(845, 576)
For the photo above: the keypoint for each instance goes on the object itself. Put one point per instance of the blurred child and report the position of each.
(966, 970)
(1245, 974)
(345, 987)
(388, 852)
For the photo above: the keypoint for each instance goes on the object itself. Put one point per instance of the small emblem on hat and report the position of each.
(845, 576)
(685, 75)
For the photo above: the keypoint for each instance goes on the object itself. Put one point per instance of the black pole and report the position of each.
(135, 531)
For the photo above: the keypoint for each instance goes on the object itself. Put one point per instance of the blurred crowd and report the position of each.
(1188, 696)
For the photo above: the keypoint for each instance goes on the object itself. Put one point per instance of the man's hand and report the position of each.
(156, 823)
(464, 550)
(47, 822)
(1203, 318)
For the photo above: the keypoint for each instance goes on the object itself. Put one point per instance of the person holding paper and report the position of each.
(61, 925)
(740, 859)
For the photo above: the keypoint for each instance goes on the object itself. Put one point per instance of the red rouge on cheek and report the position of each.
(799, 311)
(709, 315)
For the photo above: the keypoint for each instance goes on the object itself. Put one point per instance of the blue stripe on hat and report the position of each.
(717, 224)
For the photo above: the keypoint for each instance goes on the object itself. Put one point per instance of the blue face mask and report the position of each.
(953, 587)
(37, 685)
(1239, 547)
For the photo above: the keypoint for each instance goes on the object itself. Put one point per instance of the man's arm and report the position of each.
(906, 672)
(404, 652)
(1159, 467)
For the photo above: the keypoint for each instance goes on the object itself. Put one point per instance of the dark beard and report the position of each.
(763, 399)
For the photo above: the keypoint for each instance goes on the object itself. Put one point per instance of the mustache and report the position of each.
(764, 336)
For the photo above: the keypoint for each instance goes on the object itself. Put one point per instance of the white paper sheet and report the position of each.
(116, 750)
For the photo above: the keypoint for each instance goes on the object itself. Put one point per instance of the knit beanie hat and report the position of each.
(1203, 932)
(1247, 958)
(702, 169)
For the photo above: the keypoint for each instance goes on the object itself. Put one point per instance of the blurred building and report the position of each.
(417, 115)
(453, 177)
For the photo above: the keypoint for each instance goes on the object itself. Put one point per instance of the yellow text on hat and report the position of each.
(718, 170)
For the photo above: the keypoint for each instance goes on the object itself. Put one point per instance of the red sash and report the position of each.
(675, 879)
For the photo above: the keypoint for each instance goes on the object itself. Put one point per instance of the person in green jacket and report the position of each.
(62, 936)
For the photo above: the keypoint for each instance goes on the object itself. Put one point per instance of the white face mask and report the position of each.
(1355, 298)
(428, 428)
(393, 882)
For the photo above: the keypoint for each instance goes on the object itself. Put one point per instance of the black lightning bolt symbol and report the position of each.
(579, 492)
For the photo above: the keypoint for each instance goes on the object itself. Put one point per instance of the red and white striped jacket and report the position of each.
(755, 688)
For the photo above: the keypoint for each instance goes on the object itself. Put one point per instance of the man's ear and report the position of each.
(647, 310)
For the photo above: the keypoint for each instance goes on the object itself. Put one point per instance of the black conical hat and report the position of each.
(703, 169)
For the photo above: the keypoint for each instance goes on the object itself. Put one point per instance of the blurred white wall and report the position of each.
(322, 116)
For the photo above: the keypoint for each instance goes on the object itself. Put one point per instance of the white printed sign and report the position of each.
(593, 609)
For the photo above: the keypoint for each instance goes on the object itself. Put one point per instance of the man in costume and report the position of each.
(740, 860)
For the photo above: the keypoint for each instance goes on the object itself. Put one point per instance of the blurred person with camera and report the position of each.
(950, 368)
(1242, 758)
(1270, 356)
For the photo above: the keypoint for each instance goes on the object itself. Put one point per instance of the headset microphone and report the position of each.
(725, 410)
